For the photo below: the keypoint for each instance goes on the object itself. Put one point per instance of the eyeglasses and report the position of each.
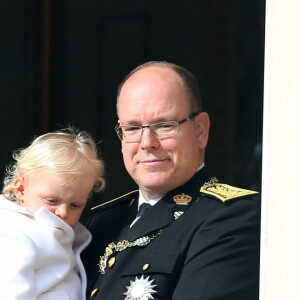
(162, 130)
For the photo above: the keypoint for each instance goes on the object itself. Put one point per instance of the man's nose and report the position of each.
(149, 139)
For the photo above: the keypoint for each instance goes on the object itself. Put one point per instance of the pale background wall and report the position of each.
(280, 261)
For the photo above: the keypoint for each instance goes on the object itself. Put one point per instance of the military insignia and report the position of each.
(224, 192)
(102, 264)
(121, 246)
(140, 289)
(177, 214)
(109, 250)
(182, 199)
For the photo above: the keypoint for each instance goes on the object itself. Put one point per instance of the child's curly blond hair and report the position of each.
(64, 152)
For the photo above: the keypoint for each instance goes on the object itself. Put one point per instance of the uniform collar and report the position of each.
(162, 214)
(153, 201)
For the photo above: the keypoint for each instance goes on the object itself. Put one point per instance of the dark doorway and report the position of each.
(62, 61)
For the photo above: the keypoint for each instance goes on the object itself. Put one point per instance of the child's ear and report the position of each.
(19, 189)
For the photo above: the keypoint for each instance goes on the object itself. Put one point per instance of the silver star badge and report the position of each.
(140, 289)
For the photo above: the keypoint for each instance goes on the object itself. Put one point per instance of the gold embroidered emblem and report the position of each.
(225, 192)
(182, 199)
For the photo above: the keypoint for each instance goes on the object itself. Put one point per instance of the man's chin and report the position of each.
(154, 188)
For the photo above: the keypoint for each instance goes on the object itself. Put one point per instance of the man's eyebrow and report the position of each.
(137, 123)
(125, 123)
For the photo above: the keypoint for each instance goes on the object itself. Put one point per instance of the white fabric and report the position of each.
(150, 201)
(40, 255)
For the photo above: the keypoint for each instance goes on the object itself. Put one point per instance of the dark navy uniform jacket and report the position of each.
(211, 251)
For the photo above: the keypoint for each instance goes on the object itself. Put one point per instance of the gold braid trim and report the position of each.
(113, 200)
(225, 192)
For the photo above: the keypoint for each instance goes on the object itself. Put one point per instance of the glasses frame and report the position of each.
(119, 127)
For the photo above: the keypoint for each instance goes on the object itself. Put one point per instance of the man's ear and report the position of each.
(203, 123)
(19, 189)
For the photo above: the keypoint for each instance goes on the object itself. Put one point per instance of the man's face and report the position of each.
(152, 95)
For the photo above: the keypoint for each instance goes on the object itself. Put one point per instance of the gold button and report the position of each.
(146, 267)
(111, 262)
(94, 292)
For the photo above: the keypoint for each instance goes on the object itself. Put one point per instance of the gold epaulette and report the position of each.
(225, 192)
(113, 200)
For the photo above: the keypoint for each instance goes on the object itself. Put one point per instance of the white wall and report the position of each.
(280, 260)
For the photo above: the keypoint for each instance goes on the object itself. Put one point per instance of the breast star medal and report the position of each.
(140, 289)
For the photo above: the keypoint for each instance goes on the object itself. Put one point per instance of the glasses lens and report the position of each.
(165, 129)
(130, 133)
(160, 130)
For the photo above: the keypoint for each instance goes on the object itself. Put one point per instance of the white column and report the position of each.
(280, 236)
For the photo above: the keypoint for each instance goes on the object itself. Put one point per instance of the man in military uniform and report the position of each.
(198, 239)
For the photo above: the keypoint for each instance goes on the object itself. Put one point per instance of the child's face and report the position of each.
(64, 195)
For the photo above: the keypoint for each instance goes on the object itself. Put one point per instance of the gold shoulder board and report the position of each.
(225, 192)
(113, 200)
